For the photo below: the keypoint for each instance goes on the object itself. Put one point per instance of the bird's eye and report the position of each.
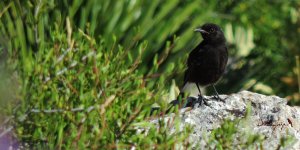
(212, 30)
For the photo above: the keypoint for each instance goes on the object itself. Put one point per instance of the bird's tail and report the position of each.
(179, 101)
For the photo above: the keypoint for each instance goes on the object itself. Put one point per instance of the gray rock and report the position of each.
(269, 116)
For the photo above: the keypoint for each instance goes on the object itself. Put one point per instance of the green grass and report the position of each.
(80, 72)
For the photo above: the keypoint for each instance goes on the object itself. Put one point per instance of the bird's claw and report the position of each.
(202, 99)
(192, 101)
(218, 98)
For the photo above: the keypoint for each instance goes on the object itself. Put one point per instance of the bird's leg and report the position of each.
(216, 96)
(201, 97)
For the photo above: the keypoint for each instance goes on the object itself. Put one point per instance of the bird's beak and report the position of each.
(201, 30)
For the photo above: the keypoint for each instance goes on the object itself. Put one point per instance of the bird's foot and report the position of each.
(218, 98)
(202, 99)
(192, 101)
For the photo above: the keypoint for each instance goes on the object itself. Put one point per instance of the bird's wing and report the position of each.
(224, 59)
(195, 60)
(196, 57)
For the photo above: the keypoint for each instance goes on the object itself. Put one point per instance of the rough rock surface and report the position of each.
(270, 116)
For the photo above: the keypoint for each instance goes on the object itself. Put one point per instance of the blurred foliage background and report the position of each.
(65, 50)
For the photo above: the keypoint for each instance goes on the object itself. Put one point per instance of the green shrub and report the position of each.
(90, 70)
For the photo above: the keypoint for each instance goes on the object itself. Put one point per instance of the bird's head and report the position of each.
(211, 32)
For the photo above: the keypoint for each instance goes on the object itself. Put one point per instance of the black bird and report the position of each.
(206, 63)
